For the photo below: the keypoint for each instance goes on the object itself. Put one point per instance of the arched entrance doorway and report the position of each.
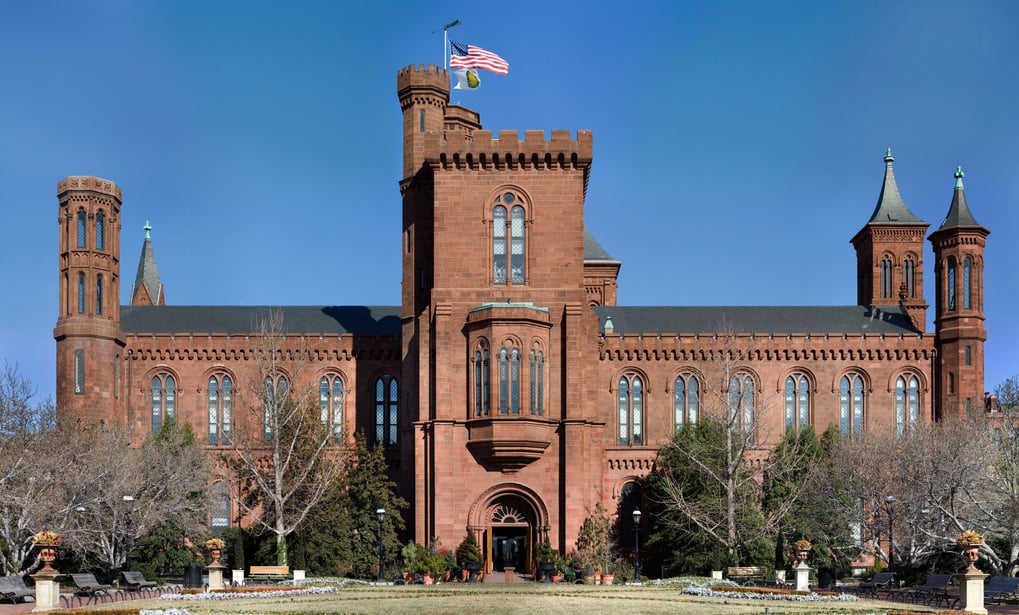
(508, 521)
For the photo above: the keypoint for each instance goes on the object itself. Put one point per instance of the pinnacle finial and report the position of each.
(888, 157)
(147, 228)
(958, 178)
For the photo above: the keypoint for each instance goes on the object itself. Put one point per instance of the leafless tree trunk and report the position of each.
(285, 457)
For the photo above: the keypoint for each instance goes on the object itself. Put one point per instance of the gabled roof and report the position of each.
(958, 212)
(759, 320)
(891, 209)
(235, 319)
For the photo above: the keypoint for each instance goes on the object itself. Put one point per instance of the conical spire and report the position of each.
(148, 290)
(890, 206)
(958, 213)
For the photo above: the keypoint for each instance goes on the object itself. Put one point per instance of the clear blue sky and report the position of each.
(738, 145)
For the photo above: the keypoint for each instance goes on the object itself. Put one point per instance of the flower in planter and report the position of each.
(46, 538)
(214, 543)
(969, 539)
(803, 545)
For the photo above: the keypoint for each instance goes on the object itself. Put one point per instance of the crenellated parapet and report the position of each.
(422, 84)
(506, 150)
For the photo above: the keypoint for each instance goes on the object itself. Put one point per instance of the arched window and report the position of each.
(509, 380)
(966, 301)
(741, 405)
(685, 401)
(330, 403)
(797, 402)
(508, 261)
(100, 231)
(219, 508)
(81, 293)
(164, 400)
(951, 282)
(79, 372)
(81, 229)
(909, 275)
(536, 380)
(851, 405)
(220, 407)
(968, 356)
(481, 381)
(630, 409)
(274, 401)
(886, 277)
(629, 501)
(387, 402)
(99, 295)
(907, 403)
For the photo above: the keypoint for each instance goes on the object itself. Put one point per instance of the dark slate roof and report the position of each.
(352, 319)
(148, 274)
(891, 209)
(958, 212)
(757, 319)
(593, 250)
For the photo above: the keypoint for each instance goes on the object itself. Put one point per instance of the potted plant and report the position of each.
(588, 574)
(546, 557)
(413, 554)
(469, 556)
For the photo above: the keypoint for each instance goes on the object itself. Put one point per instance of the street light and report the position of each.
(381, 514)
(636, 545)
(889, 501)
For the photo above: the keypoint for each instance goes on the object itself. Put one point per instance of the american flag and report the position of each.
(469, 56)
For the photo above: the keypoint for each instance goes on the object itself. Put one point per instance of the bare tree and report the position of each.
(285, 457)
(710, 475)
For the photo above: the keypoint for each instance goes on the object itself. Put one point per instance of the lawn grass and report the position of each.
(499, 599)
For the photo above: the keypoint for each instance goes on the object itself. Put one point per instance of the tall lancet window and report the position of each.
(951, 282)
(100, 231)
(81, 228)
(509, 239)
(909, 276)
(966, 290)
(886, 277)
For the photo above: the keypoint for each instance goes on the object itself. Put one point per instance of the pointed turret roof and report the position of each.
(148, 275)
(958, 213)
(890, 207)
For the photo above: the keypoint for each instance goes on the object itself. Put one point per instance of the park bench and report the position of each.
(932, 592)
(881, 581)
(746, 574)
(87, 585)
(269, 573)
(135, 580)
(13, 588)
(1001, 588)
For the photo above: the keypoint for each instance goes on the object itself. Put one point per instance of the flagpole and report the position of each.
(445, 41)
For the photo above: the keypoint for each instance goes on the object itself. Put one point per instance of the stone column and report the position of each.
(971, 590)
(802, 576)
(47, 591)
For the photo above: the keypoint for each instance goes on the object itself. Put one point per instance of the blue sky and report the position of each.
(738, 145)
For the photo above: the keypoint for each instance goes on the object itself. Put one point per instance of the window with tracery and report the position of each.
(164, 400)
(537, 382)
(81, 229)
(220, 403)
(330, 403)
(797, 402)
(508, 240)
(100, 231)
(630, 410)
(741, 405)
(685, 401)
(851, 405)
(509, 380)
(907, 403)
(219, 508)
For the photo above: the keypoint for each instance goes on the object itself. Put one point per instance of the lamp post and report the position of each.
(889, 508)
(636, 545)
(381, 514)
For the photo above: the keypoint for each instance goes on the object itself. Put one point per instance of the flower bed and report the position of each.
(238, 592)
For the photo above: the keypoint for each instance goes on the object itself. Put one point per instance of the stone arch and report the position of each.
(508, 514)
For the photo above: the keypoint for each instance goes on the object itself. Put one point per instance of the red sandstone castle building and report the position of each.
(511, 392)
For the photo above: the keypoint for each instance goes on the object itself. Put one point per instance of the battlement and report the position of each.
(88, 183)
(422, 76)
(505, 148)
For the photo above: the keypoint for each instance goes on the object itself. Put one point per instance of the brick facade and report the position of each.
(508, 354)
